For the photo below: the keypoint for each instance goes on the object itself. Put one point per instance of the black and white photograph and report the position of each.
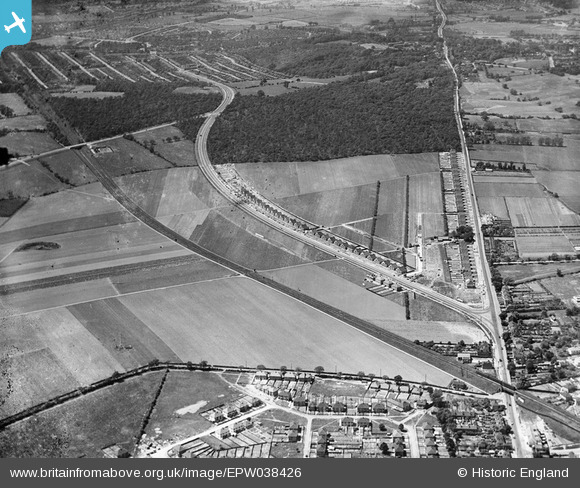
(260, 230)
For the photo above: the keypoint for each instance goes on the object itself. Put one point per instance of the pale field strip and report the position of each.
(83, 355)
(334, 290)
(235, 63)
(106, 75)
(178, 197)
(266, 327)
(54, 298)
(104, 63)
(207, 66)
(63, 267)
(52, 66)
(283, 179)
(185, 224)
(230, 71)
(30, 72)
(65, 205)
(146, 68)
(77, 64)
(540, 212)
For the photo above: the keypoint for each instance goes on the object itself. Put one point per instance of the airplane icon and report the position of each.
(17, 23)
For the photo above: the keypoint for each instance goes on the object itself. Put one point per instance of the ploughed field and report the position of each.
(87, 290)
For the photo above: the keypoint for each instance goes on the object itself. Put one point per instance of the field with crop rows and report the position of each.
(278, 180)
(540, 212)
(425, 206)
(565, 183)
(536, 157)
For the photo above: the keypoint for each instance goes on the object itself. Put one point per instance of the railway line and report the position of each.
(450, 365)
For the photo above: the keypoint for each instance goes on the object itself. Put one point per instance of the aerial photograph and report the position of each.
(261, 229)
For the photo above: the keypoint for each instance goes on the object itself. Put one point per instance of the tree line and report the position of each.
(338, 120)
(142, 105)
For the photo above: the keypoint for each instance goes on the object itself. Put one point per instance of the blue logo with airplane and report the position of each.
(15, 22)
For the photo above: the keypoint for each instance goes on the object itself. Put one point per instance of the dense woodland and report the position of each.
(353, 118)
(334, 53)
(142, 105)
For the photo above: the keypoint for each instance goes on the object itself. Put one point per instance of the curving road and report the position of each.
(476, 315)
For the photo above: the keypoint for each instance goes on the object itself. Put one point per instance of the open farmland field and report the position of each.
(89, 250)
(523, 63)
(564, 287)
(121, 333)
(25, 143)
(29, 378)
(536, 247)
(557, 126)
(68, 167)
(24, 123)
(15, 102)
(565, 183)
(540, 212)
(111, 282)
(129, 157)
(276, 86)
(390, 222)
(184, 389)
(57, 296)
(523, 271)
(493, 205)
(9, 207)
(84, 426)
(92, 200)
(499, 187)
(333, 207)
(263, 326)
(329, 288)
(433, 330)
(27, 180)
(423, 309)
(562, 91)
(146, 189)
(245, 241)
(357, 301)
(487, 95)
(500, 30)
(177, 191)
(425, 206)
(171, 144)
(52, 347)
(535, 157)
(278, 180)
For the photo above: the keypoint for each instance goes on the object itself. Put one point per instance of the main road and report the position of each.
(491, 317)
(486, 318)
(449, 365)
(204, 162)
